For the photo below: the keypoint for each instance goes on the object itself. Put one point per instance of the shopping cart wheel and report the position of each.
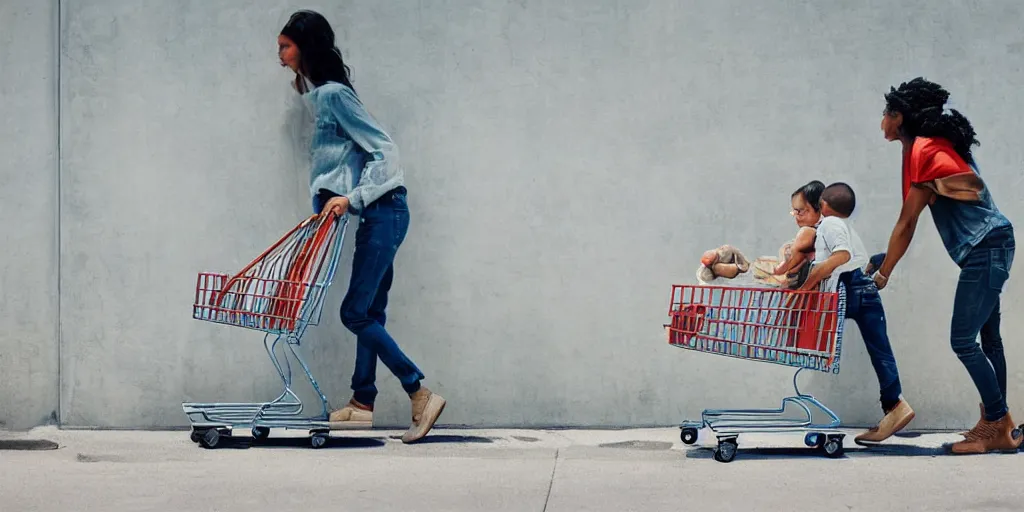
(726, 450)
(260, 433)
(688, 435)
(833, 447)
(814, 439)
(318, 440)
(1016, 433)
(211, 438)
(196, 435)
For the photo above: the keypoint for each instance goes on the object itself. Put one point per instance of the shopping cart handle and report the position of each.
(236, 277)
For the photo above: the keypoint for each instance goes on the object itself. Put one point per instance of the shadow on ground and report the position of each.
(451, 439)
(889, 450)
(639, 445)
(242, 443)
(27, 444)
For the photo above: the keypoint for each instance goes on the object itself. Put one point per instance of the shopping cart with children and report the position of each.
(280, 293)
(801, 329)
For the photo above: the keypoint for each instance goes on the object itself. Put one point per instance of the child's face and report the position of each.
(803, 213)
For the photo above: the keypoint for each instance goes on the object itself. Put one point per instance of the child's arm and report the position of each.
(801, 246)
(825, 269)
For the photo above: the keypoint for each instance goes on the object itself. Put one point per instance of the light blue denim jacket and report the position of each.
(351, 154)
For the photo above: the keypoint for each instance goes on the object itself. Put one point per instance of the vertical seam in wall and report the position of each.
(60, 159)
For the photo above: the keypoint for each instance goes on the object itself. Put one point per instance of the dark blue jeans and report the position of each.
(864, 306)
(382, 228)
(976, 310)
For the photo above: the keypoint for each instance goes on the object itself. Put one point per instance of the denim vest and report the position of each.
(964, 224)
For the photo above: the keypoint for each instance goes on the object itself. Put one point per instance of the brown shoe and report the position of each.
(353, 416)
(969, 433)
(426, 408)
(991, 436)
(895, 420)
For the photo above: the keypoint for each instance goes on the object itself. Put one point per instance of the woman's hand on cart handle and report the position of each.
(336, 205)
(880, 280)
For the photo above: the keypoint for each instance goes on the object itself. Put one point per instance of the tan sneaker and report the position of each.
(353, 416)
(991, 436)
(895, 420)
(426, 408)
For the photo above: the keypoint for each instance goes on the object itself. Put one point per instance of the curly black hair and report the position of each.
(812, 194)
(922, 103)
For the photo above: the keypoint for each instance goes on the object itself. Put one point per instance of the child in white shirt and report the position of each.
(840, 254)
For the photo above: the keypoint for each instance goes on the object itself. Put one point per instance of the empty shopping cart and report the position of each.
(280, 293)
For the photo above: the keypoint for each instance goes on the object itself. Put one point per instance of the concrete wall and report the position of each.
(567, 161)
(28, 213)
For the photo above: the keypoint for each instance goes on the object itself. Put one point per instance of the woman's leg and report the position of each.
(382, 229)
(982, 278)
(992, 346)
(365, 375)
(972, 305)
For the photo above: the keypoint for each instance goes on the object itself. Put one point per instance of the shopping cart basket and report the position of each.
(802, 329)
(280, 293)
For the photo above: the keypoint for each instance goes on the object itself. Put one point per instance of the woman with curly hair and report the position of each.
(939, 172)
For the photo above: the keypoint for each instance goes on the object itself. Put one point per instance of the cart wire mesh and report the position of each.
(792, 328)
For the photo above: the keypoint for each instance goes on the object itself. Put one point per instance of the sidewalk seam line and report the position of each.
(551, 483)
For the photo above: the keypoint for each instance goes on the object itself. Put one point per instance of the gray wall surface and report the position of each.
(567, 162)
(28, 213)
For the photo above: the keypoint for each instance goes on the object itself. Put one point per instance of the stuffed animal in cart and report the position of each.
(728, 262)
(725, 261)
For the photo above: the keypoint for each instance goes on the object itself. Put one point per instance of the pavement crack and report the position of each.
(551, 483)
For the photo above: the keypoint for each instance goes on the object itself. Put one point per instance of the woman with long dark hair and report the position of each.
(355, 170)
(939, 172)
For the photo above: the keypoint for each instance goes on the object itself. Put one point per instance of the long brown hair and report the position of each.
(320, 59)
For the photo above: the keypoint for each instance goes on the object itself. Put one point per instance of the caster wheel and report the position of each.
(196, 435)
(726, 450)
(814, 440)
(210, 439)
(833, 447)
(260, 433)
(318, 440)
(1016, 434)
(688, 435)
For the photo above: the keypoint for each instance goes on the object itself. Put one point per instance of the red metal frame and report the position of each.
(748, 320)
(251, 284)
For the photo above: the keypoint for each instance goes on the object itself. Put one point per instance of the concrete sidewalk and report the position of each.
(495, 470)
